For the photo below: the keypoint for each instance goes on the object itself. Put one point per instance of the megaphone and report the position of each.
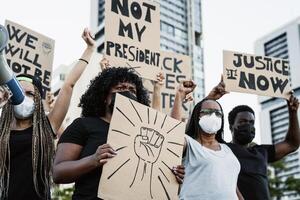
(7, 76)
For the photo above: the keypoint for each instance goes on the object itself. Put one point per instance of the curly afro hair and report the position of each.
(92, 101)
(193, 127)
(241, 108)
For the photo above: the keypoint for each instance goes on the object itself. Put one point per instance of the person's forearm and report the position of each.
(293, 134)
(239, 194)
(80, 66)
(176, 111)
(70, 171)
(156, 98)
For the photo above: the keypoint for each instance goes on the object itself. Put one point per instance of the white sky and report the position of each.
(231, 24)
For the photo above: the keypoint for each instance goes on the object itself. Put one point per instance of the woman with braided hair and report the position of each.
(27, 133)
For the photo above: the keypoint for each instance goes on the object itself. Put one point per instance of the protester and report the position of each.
(83, 148)
(26, 135)
(254, 159)
(211, 169)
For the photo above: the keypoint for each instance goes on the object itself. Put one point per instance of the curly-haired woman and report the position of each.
(82, 148)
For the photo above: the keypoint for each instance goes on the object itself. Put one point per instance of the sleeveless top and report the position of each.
(209, 174)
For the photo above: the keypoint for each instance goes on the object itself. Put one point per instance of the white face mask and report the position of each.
(25, 109)
(210, 123)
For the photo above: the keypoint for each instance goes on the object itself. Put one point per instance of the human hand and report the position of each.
(159, 82)
(218, 91)
(49, 101)
(148, 144)
(87, 37)
(104, 63)
(102, 155)
(4, 96)
(185, 89)
(293, 103)
(179, 172)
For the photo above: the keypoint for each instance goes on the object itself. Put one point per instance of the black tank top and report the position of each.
(21, 176)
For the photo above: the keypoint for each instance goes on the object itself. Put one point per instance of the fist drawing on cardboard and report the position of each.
(147, 145)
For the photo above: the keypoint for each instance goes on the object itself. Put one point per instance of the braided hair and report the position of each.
(42, 148)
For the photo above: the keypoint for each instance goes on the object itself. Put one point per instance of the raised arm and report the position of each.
(292, 140)
(156, 99)
(60, 109)
(218, 91)
(184, 88)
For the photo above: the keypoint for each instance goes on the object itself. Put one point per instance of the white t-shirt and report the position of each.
(209, 174)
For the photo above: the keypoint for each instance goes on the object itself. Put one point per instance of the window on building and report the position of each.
(197, 38)
(167, 28)
(62, 77)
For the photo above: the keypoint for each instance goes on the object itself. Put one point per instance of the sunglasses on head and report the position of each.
(218, 113)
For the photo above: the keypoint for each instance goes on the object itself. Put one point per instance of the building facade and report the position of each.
(274, 117)
(181, 32)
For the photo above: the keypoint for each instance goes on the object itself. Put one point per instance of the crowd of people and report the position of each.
(211, 168)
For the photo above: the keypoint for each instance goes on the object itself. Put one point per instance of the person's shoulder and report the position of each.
(189, 139)
(85, 120)
(231, 145)
(262, 146)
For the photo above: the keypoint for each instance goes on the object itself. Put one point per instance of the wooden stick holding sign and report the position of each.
(132, 35)
(148, 144)
(256, 74)
(29, 52)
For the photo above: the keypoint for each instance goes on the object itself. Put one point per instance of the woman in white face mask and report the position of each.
(211, 169)
(27, 134)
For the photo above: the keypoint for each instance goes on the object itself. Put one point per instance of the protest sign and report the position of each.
(177, 68)
(256, 74)
(148, 144)
(132, 35)
(29, 52)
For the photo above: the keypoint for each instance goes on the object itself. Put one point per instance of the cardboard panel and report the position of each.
(148, 145)
(256, 74)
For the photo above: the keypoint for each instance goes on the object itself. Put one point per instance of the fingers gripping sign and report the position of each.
(103, 154)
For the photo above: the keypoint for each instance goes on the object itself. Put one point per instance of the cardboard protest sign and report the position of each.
(148, 145)
(29, 52)
(256, 74)
(132, 35)
(177, 68)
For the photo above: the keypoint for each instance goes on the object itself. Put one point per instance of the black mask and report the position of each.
(244, 134)
(113, 99)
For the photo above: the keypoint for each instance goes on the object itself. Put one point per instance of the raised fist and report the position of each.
(148, 144)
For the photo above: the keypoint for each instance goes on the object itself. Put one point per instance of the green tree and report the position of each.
(278, 187)
(59, 193)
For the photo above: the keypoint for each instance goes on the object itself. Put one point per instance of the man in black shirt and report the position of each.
(254, 159)
(82, 148)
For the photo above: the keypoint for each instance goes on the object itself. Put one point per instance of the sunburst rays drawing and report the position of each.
(148, 145)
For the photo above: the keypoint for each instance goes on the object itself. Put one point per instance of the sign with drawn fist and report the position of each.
(147, 145)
